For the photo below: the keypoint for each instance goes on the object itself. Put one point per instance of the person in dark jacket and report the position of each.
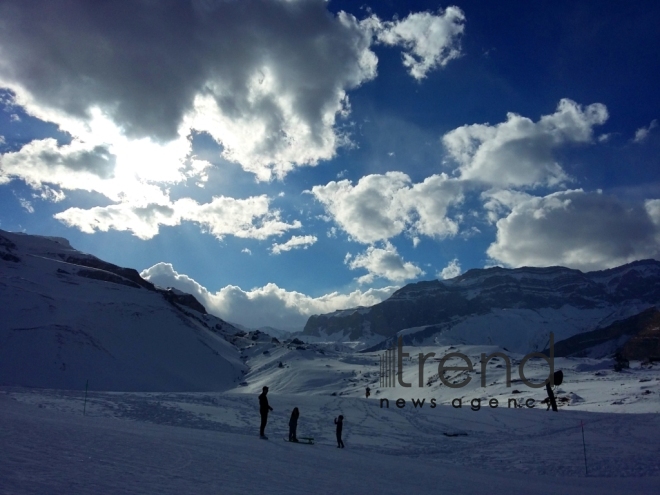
(340, 424)
(293, 425)
(264, 409)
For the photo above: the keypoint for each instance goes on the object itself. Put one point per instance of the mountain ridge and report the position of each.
(485, 303)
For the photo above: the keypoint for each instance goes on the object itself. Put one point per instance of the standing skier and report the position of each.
(340, 424)
(293, 425)
(264, 408)
(368, 392)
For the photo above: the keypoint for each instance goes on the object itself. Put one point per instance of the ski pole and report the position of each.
(584, 446)
(85, 403)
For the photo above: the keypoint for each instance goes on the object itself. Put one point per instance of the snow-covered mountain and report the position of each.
(513, 308)
(634, 338)
(67, 317)
(272, 331)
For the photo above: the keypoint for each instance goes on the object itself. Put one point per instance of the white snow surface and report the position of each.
(59, 329)
(207, 443)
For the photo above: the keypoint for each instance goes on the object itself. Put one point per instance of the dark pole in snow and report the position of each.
(584, 446)
(551, 396)
(85, 403)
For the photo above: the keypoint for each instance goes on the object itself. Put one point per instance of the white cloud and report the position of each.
(427, 204)
(143, 221)
(379, 207)
(518, 152)
(245, 218)
(582, 230)
(26, 205)
(39, 161)
(123, 170)
(643, 132)
(49, 194)
(268, 91)
(296, 242)
(269, 305)
(653, 209)
(246, 251)
(265, 89)
(429, 40)
(499, 202)
(383, 262)
(453, 269)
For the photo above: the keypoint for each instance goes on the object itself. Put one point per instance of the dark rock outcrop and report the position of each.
(6, 248)
(106, 277)
(184, 300)
(126, 273)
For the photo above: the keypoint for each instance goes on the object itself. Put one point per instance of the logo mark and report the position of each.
(391, 367)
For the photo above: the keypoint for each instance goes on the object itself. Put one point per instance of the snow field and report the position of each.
(208, 443)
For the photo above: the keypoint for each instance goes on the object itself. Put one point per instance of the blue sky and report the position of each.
(285, 158)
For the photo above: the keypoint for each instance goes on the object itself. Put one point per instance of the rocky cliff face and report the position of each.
(513, 307)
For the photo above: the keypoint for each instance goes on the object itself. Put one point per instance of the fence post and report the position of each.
(85, 403)
(584, 446)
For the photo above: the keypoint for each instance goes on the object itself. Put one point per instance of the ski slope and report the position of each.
(208, 443)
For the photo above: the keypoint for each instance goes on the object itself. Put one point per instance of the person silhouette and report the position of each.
(264, 409)
(368, 392)
(340, 425)
(293, 425)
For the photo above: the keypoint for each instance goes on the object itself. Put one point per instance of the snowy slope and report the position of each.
(336, 370)
(207, 443)
(63, 322)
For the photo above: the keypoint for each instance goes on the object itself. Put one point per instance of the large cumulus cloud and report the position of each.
(266, 78)
(519, 151)
(246, 218)
(429, 40)
(269, 305)
(381, 206)
(583, 230)
(383, 262)
(499, 164)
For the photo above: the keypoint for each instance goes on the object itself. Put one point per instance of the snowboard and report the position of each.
(303, 440)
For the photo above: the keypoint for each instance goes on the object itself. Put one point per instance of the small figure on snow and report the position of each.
(368, 392)
(293, 425)
(264, 409)
(340, 424)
